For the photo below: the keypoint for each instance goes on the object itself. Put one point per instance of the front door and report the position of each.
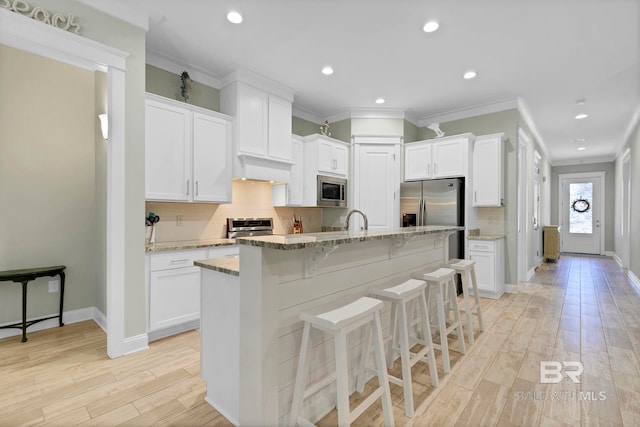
(580, 213)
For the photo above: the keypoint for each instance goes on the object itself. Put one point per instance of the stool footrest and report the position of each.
(316, 387)
(358, 410)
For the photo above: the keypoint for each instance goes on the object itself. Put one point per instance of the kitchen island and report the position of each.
(250, 330)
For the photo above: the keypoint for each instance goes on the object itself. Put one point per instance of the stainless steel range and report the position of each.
(246, 227)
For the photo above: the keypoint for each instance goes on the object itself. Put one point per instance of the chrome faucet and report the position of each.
(351, 212)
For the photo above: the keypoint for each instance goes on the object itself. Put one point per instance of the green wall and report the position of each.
(411, 132)
(303, 127)
(341, 130)
(167, 84)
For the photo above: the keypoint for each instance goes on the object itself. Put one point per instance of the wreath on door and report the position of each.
(580, 205)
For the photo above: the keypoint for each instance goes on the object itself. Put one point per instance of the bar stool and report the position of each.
(466, 269)
(401, 298)
(339, 322)
(442, 284)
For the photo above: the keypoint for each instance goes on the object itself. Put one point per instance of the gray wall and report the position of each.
(507, 122)
(634, 145)
(341, 130)
(303, 127)
(411, 132)
(609, 169)
(167, 84)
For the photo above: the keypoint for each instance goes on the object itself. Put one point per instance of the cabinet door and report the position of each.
(377, 178)
(449, 158)
(325, 157)
(279, 147)
(211, 159)
(485, 270)
(296, 187)
(417, 161)
(341, 160)
(167, 152)
(174, 297)
(487, 172)
(252, 121)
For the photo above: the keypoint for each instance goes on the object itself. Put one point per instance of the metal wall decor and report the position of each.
(185, 87)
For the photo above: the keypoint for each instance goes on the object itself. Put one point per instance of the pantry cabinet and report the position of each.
(291, 194)
(489, 258)
(187, 152)
(333, 157)
(488, 170)
(446, 157)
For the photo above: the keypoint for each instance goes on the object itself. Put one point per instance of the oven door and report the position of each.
(332, 191)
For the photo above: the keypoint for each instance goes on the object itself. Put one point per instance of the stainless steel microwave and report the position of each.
(332, 191)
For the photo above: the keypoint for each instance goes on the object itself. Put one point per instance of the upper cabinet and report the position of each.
(262, 146)
(446, 157)
(291, 194)
(322, 156)
(187, 152)
(488, 170)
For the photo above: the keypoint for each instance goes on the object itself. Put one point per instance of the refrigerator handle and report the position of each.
(424, 212)
(419, 216)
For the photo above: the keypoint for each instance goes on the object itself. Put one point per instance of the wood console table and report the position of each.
(24, 277)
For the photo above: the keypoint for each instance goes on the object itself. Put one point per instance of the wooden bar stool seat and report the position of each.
(339, 322)
(440, 284)
(466, 269)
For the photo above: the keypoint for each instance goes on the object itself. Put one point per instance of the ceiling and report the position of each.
(545, 53)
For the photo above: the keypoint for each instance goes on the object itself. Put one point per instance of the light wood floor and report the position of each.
(581, 309)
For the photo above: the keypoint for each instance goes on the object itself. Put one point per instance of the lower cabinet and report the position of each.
(489, 258)
(174, 289)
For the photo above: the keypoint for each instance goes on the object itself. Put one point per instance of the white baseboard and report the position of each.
(68, 317)
(635, 281)
(222, 411)
(511, 289)
(615, 257)
(100, 319)
(136, 343)
(172, 330)
(531, 273)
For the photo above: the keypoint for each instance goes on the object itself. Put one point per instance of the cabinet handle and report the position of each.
(197, 188)
(176, 261)
(187, 187)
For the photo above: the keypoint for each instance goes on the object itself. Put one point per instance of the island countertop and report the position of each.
(310, 240)
(188, 244)
(228, 265)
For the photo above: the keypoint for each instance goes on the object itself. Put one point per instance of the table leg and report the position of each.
(61, 296)
(24, 310)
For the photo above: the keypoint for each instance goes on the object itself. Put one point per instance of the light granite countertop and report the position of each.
(228, 265)
(310, 240)
(486, 237)
(188, 244)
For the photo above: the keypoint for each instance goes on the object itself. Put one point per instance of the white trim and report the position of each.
(259, 81)
(510, 289)
(100, 319)
(521, 218)
(602, 176)
(530, 274)
(377, 139)
(635, 119)
(35, 37)
(135, 344)
(222, 412)
(583, 161)
(473, 111)
(173, 330)
(369, 113)
(172, 65)
(635, 281)
(306, 115)
(121, 10)
(525, 113)
(615, 257)
(68, 317)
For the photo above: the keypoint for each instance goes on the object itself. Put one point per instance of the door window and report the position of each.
(580, 208)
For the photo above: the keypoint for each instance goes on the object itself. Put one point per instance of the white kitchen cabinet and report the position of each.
(488, 170)
(291, 194)
(322, 156)
(446, 157)
(489, 258)
(262, 146)
(174, 289)
(187, 153)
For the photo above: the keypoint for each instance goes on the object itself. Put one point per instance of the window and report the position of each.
(580, 209)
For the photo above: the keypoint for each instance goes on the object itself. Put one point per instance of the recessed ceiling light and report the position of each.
(582, 148)
(579, 140)
(380, 101)
(581, 116)
(327, 71)
(430, 27)
(470, 74)
(234, 17)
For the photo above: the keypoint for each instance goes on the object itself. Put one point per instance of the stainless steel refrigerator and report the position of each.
(435, 202)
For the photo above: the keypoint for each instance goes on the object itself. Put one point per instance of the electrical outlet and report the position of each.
(179, 220)
(54, 285)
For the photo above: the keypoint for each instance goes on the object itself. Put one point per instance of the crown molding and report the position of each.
(259, 81)
(306, 115)
(584, 161)
(465, 113)
(525, 113)
(635, 119)
(121, 10)
(172, 65)
(367, 113)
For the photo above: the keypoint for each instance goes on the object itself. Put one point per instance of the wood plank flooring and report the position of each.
(580, 309)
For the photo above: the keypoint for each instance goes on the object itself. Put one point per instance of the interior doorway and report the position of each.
(523, 142)
(581, 212)
(625, 222)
